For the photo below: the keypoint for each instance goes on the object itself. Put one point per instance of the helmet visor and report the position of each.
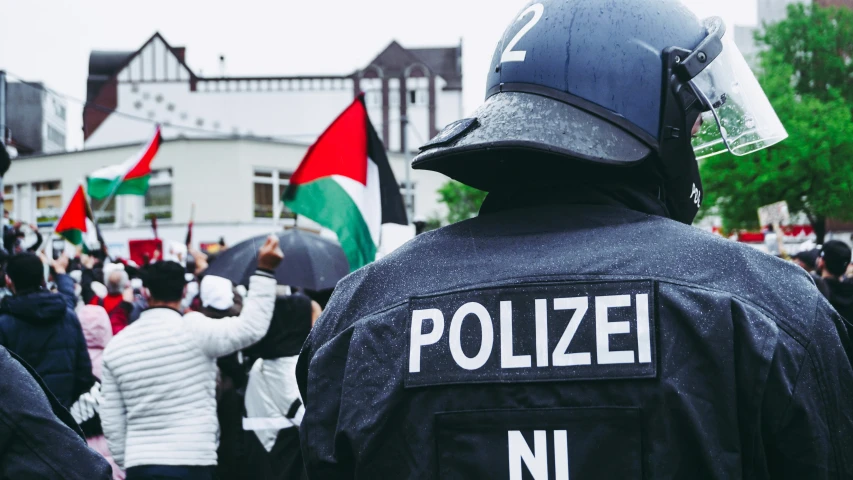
(740, 118)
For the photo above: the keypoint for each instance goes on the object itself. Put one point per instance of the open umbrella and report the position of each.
(310, 261)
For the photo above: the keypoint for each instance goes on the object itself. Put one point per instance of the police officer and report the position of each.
(579, 327)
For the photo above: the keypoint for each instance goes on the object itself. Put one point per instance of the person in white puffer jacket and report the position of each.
(273, 405)
(159, 401)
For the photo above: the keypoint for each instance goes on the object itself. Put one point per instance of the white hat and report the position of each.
(112, 267)
(99, 289)
(217, 292)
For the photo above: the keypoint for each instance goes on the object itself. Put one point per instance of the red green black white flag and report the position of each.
(346, 184)
(128, 178)
(76, 223)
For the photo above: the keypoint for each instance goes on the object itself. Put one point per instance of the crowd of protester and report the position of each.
(171, 373)
(830, 268)
(166, 372)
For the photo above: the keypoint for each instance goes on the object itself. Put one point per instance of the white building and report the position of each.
(130, 91)
(127, 91)
(231, 143)
(235, 185)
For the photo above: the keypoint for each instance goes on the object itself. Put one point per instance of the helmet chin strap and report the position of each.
(684, 193)
(676, 159)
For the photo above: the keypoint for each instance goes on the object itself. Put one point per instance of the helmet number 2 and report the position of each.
(511, 55)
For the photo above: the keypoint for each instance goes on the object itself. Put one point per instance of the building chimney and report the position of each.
(181, 53)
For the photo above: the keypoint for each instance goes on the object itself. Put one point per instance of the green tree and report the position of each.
(813, 169)
(818, 43)
(463, 202)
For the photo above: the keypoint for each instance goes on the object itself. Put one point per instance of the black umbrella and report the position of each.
(310, 261)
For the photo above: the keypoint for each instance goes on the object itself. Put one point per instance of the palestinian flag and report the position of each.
(128, 178)
(345, 184)
(76, 223)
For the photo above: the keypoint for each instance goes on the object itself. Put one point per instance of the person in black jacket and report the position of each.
(832, 263)
(43, 329)
(807, 260)
(579, 327)
(273, 406)
(38, 437)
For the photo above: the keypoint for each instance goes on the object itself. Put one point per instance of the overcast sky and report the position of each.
(50, 40)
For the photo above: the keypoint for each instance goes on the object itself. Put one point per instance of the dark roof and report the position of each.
(446, 62)
(394, 60)
(102, 67)
(101, 91)
(443, 61)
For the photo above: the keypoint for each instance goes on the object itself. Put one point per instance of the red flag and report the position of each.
(144, 252)
(72, 224)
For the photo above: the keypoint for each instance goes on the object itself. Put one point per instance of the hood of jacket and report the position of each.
(38, 308)
(96, 326)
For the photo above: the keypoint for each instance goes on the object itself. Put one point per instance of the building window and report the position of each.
(283, 182)
(269, 187)
(108, 216)
(418, 97)
(263, 195)
(373, 98)
(55, 136)
(405, 194)
(48, 200)
(59, 109)
(10, 195)
(158, 200)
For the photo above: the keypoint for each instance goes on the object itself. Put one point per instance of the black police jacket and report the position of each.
(577, 341)
(38, 437)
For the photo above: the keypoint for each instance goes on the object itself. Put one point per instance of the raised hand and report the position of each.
(270, 255)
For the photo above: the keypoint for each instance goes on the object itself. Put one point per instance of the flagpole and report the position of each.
(189, 238)
(107, 203)
(101, 212)
(52, 231)
(43, 245)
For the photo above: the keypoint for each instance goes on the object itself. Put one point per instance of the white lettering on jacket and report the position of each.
(561, 356)
(419, 339)
(535, 460)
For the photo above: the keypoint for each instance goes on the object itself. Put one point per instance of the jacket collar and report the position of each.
(160, 313)
(640, 199)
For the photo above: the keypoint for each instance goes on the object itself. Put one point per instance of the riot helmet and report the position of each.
(645, 86)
